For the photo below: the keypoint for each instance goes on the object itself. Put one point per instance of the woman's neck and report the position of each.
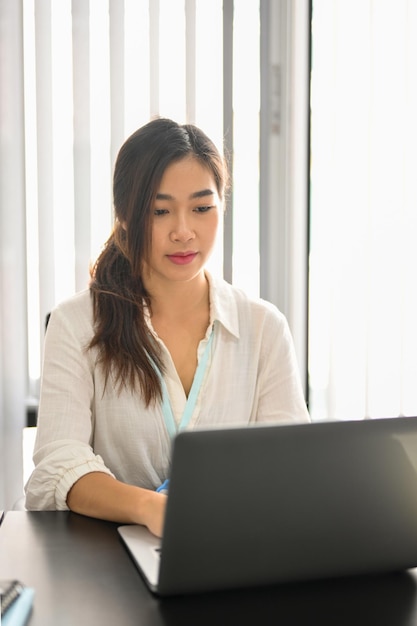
(180, 300)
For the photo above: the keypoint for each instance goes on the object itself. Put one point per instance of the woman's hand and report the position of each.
(154, 513)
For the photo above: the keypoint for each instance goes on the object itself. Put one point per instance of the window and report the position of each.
(363, 257)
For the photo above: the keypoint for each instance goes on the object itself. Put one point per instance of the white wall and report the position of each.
(13, 361)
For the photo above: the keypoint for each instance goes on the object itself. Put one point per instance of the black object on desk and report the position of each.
(83, 575)
(294, 503)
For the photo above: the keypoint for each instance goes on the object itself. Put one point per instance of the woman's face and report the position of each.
(185, 219)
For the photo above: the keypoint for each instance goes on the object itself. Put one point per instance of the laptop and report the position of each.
(262, 505)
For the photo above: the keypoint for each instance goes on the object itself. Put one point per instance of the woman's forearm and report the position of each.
(99, 495)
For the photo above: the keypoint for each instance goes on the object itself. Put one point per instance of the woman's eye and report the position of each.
(203, 209)
(158, 212)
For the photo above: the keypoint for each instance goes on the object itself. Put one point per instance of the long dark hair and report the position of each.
(127, 350)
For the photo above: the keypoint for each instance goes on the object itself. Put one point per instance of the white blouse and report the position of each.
(251, 376)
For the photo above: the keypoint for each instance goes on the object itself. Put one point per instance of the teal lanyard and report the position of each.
(192, 396)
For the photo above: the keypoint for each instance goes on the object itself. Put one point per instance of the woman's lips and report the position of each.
(182, 258)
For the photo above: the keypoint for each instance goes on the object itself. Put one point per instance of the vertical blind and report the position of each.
(363, 253)
(96, 70)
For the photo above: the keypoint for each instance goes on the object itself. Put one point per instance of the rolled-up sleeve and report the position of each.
(58, 467)
(63, 449)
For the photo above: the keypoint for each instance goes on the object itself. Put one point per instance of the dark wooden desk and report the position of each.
(83, 575)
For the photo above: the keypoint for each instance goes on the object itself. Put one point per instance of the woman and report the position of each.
(155, 344)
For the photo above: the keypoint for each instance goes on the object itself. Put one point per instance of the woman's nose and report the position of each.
(182, 230)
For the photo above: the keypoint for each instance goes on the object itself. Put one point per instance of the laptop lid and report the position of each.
(267, 504)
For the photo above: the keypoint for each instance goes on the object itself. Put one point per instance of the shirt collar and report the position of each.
(223, 307)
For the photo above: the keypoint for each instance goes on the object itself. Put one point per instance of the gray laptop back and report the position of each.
(269, 504)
